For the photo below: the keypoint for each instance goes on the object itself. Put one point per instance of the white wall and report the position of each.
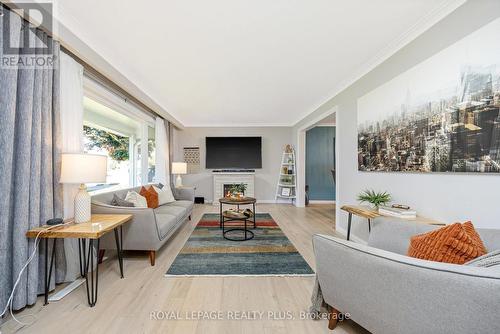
(273, 141)
(445, 197)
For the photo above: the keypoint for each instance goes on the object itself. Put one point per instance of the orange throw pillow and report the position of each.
(151, 197)
(456, 243)
(476, 239)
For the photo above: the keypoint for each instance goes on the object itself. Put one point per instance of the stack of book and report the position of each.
(397, 212)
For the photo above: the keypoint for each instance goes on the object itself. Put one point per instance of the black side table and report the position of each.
(224, 218)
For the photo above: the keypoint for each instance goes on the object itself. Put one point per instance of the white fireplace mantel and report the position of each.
(222, 178)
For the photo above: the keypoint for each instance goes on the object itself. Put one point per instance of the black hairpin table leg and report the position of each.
(94, 274)
(119, 245)
(82, 249)
(48, 270)
(349, 221)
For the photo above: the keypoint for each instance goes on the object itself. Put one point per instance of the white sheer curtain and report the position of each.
(162, 170)
(71, 92)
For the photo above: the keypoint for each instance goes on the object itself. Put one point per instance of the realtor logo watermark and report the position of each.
(278, 315)
(24, 44)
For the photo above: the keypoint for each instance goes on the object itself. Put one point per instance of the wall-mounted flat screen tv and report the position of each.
(233, 152)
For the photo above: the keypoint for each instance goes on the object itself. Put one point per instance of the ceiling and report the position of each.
(254, 63)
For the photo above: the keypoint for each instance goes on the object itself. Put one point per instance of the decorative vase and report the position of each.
(82, 205)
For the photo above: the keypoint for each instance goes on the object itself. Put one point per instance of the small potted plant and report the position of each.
(376, 199)
(238, 190)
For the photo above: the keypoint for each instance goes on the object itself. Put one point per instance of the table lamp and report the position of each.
(179, 168)
(79, 168)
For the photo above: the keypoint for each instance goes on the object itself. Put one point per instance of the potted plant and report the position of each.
(238, 190)
(376, 199)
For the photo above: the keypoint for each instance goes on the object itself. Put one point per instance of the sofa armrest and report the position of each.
(184, 193)
(387, 292)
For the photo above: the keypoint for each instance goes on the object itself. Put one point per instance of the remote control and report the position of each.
(55, 221)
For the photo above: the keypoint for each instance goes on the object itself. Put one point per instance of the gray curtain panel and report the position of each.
(170, 137)
(29, 165)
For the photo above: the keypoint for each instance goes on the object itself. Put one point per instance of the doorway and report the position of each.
(320, 162)
(328, 118)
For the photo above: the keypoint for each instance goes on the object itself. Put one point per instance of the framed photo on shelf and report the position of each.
(285, 191)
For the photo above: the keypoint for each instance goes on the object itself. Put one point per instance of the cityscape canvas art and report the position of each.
(440, 116)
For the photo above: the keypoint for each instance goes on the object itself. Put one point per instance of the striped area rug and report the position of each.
(269, 253)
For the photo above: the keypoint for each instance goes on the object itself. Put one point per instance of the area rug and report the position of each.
(269, 253)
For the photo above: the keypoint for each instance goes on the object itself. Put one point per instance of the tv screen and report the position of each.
(233, 152)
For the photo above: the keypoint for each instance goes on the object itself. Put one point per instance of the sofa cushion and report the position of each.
(164, 195)
(165, 222)
(117, 201)
(476, 239)
(151, 196)
(456, 243)
(177, 211)
(185, 204)
(138, 200)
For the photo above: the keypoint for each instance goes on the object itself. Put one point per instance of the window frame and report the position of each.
(102, 94)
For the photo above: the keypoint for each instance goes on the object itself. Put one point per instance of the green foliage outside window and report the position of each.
(117, 146)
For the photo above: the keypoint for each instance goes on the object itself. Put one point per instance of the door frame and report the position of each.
(301, 156)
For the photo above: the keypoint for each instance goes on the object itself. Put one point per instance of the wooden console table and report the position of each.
(93, 230)
(370, 213)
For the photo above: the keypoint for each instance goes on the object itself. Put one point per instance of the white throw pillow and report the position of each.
(164, 195)
(138, 200)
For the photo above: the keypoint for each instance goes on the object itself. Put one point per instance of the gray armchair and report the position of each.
(387, 292)
(149, 229)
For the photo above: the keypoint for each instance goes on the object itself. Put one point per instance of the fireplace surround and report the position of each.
(223, 180)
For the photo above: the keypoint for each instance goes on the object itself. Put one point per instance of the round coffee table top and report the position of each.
(237, 200)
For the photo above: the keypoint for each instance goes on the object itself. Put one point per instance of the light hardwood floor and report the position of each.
(125, 305)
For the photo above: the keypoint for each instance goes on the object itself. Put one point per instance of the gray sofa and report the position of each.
(387, 292)
(149, 228)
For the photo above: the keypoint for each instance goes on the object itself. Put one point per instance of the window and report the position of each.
(151, 154)
(122, 133)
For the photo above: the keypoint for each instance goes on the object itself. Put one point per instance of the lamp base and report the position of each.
(82, 205)
(178, 181)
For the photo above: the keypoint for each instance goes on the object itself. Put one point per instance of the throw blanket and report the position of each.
(318, 304)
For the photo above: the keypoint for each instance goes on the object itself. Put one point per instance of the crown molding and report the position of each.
(422, 25)
(239, 125)
(328, 125)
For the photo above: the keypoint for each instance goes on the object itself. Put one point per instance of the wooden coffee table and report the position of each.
(226, 216)
(93, 230)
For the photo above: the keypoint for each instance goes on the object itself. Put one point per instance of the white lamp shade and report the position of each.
(179, 168)
(83, 168)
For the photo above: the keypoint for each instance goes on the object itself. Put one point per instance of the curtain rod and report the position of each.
(102, 80)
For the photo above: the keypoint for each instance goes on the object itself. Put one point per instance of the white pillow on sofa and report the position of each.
(164, 195)
(138, 200)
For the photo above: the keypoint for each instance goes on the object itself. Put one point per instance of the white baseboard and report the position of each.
(267, 201)
(314, 201)
(67, 289)
(352, 237)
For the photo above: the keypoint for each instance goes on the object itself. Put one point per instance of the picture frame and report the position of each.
(450, 124)
(285, 191)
